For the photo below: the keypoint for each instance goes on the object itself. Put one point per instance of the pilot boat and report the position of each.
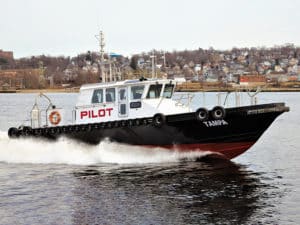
(145, 113)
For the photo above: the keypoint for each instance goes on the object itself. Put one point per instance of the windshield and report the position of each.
(168, 91)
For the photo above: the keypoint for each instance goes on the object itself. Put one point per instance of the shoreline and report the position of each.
(179, 88)
(47, 90)
(241, 89)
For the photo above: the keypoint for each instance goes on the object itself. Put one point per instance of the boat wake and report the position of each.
(66, 151)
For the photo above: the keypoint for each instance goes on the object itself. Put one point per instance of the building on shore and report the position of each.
(252, 80)
(6, 55)
(20, 78)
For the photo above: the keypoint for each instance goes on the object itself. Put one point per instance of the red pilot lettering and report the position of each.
(96, 114)
(83, 113)
(101, 113)
(93, 116)
(109, 111)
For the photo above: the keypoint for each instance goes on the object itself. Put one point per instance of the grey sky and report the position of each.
(67, 27)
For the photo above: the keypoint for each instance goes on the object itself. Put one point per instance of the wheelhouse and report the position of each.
(124, 100)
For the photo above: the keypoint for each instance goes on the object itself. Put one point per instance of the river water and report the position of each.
(71, 183)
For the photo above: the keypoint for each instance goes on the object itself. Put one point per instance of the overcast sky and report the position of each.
(68, 27)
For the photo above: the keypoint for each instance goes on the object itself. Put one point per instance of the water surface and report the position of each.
(71, 183)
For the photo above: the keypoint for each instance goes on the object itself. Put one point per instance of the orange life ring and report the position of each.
(54, 118)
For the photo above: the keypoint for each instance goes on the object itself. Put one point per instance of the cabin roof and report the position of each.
(124, 83)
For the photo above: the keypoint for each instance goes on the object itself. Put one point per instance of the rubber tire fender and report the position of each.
(13, 132)
(37, 132)
(159, 120)
(137, 122)
(27, 131)
(202, 114)
(53, 130)
(218, 113)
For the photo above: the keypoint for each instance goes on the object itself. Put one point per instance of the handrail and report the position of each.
(36, 112)
(252, 96)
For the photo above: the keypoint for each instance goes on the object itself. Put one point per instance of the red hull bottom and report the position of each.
(226, 150)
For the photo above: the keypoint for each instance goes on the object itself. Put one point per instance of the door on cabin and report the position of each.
(123, 101)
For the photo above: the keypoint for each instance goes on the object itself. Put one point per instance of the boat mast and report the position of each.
(100, 38)
(153, 57)
(110, 69)
(102, 44)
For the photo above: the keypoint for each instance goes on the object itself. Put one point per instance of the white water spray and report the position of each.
(66, 151)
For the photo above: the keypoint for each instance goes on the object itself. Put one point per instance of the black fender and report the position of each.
(37, 132)
(53, 130)
(202, 114)
(130, 123)
(122, 123)
(137, 122)
(13, 132)
(26, 131)
(218, 113)
(159, 120)
(144, 121)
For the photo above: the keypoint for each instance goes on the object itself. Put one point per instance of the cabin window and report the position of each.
(110, 95)
(122, 94)
(136, 92)
(154, 91)
(97, 96)
(168, 91)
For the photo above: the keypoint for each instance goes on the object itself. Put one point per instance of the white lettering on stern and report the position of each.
(215, 123)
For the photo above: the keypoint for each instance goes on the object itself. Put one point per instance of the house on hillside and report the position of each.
(6, 55)
(252, 80)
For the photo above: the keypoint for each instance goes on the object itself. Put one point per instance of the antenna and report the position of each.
(100, 38)
(153, 57)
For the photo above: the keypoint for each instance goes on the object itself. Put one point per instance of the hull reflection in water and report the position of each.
(218, 192)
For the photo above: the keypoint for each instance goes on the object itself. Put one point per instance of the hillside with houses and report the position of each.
(278, 66)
